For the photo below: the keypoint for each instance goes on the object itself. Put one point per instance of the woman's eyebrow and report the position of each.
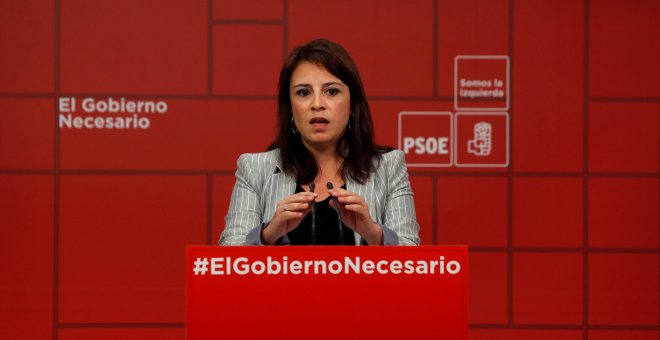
(334, 83)
(322, 85)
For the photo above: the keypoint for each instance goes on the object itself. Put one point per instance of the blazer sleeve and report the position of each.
(245, 209)
(399, 206)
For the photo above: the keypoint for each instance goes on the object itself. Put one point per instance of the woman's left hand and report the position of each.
(354, 212)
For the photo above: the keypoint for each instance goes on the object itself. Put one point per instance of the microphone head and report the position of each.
(311, 187)
(329, 185)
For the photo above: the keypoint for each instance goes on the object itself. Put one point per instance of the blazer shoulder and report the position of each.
(260, 158)
(393, 158)
(258, 164)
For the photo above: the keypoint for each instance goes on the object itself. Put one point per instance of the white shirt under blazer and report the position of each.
(261, 184)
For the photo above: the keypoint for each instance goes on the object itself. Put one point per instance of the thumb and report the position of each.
(341, 207)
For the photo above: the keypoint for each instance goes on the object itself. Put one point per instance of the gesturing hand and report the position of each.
(287, 216)
(354, 212)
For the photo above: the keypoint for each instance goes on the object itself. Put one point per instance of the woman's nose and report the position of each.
(317, 102)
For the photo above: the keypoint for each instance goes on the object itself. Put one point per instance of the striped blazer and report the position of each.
(261, 184)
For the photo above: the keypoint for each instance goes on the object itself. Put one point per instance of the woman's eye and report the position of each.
(332, 91)
(302, 92)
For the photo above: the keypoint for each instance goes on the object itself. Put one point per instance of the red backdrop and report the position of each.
(564, 236)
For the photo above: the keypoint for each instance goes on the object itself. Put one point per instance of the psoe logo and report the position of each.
(426, 145)
(482, 144)
(481, 139)
(425, 138)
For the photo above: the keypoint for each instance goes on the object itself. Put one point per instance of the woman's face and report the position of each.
(321, 105)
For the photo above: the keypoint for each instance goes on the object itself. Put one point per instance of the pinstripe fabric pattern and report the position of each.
(260, 184)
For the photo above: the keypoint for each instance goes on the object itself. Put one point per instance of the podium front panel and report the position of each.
(316, 292)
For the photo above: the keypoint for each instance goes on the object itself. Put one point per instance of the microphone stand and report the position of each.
(313, 236)
(339, 222)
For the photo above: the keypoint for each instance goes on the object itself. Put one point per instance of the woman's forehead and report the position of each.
(310, 73)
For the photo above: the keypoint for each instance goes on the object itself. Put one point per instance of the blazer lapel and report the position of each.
(366, 191)
(280, 185)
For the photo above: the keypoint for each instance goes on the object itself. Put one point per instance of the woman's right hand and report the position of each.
(288, 214)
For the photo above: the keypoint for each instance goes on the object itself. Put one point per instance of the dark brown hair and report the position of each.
(356, 146)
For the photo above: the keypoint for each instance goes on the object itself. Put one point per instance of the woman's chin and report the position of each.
(320, 143)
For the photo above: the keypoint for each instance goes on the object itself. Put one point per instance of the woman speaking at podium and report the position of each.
(323, 180)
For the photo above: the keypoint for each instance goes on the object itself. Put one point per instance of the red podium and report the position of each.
(313, 292)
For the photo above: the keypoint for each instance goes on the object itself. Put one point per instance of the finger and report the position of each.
(293, 218)
(354, 199)
(356, 208)
(342, 210)
(291, 215)
(295, 206)
(332, 204)
(305, 193)
(338, 192)
(348, 217)
(295, 202)
(301, 197)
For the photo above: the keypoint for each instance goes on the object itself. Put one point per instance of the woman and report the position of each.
(325, 140)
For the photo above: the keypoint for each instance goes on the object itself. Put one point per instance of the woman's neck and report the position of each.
(329, 163)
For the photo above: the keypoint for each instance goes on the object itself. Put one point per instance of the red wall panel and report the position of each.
(547, 288)
(624, 137)
(27, 42)
(165, 52)
(624, 48)
(125, 334)
(623, 335)
(240, 66)
(517, 334)
(26, 134)
(122, 240)
(548, 86)
(488, 288)
(255, 9)
(547, 212)
(472, 211)
(26, 256)
(624, 212)
(623, 289)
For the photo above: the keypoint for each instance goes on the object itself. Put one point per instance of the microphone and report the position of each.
(339, 222)
(313, 236)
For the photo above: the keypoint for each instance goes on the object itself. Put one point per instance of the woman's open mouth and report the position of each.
(319, 122)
